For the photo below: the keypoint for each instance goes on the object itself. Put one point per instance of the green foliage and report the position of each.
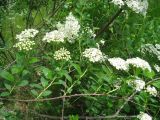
(35, 75)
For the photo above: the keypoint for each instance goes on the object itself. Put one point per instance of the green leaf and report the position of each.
(156, 84)
(6, 75)
(33, 85)
(149, 74)
(77, 67)
(16, 69)
(34, 92)
(47, 73)
(46, 93)
(33, 60)
(60, 82)
(25, 72)
(7, 86)
(73, 117)
(4, 94)
(23, 83)
(44, 82)
(68, 77)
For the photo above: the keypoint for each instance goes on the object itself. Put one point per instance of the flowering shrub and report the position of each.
(80, 60)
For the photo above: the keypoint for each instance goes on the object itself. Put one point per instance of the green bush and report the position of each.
(86, 59)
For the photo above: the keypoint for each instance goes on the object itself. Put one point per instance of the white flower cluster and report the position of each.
(24, 45)
(120, 3)
(68, 30)
(144, 116)
(24, 39)
(27, 34)
(151, 90)
(138, 84)
(54, 36)
(151, 49)
(92, 34)
(94, 55)
(121, 64)
(118, 63)
(139, 63)
(157, 68)
(62, 54)
(89, 31)
(138, 6)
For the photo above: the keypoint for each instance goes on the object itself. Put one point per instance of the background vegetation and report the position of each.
(31, 82)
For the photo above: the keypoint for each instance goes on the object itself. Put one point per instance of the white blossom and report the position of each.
(92, 34)
(24, 39)
(118, 63)
(144, 116)
(151, 90)
(153, 50)
(157, 68)
(94, 55)
(102, 42)
(138, 84)
(139, 63)
(54, 36)
(138, 6)
(62, 54)
(24, 45)
(120, 3)
(70, 29)
(26, 34)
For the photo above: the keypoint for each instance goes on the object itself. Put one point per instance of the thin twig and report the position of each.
(9, 65)
(84, 117)
(107, 24)
(130, 97)
(56, 98)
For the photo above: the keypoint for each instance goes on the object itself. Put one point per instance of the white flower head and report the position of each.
(138, 84)
(26, 34)
(151, 90)
(144, 116)
(138, 6)
(91, 33)
(70, 28)
(120, 3)
(24, 45)
(54, 36)
(62, 54)
(139, 63)
(157, 67)
(118, 63)
(94, 55)
(153, 50)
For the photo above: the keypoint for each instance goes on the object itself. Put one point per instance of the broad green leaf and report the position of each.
(25, 72)
(8, 86)
(60, 82)
(44, 82)
(77, 67)
(3, 94)
(46, 93)
(47, 73)
(33, 85)
(156, 83)
(149, 74)
(33, 60)
(16, 69)
(23, 83)
(6, 75)
(68, 77)
(34, 92)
